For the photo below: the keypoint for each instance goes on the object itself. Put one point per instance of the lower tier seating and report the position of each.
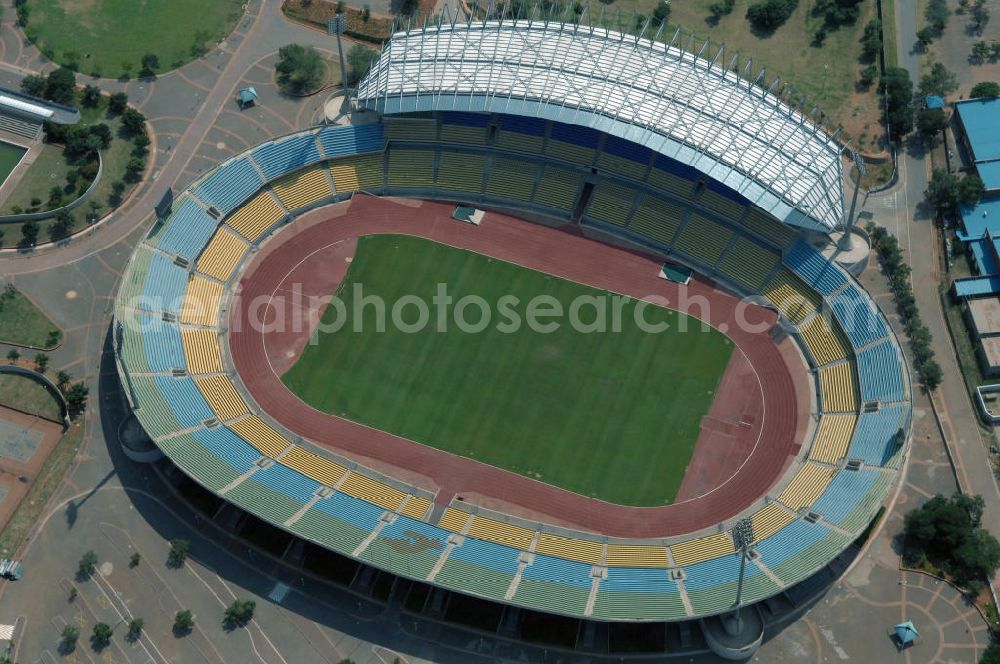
(460, 171)
(265, 439)
(222, 254)
(510, 178)
(201, 350)
(822, 341)
(838, 388)
(811, 480)
(657, 219)
(303, 188)
(790, 296)
(202, 300)
(833, 438)
(222, 397)
(704, 239)
(411, 168)
(748, 263)
(358, 173)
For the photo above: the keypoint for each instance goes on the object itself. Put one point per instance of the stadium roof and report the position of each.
(691, 108)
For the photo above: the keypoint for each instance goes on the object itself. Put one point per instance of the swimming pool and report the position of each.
(10, 155)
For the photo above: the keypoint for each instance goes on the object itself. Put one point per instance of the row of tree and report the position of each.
(898, 273)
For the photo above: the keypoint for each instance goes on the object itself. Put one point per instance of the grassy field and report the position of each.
(612, 415)
(33, 506)
(9, 156)
(26, 395)
(48, 170)
(21, 322)
(109, 37)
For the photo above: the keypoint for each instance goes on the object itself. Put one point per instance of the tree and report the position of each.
(13, 356)
(62, 378)
(76, 399)
(103, 134)
(60, 230)
(898, 91)
(178, 552)
(150, 63)
(936, 13)
(183, 622)
(931, 122)
(91, 96)
(60, 85)
(134, 559)
(117, 103)
(300, 69)
(135, 629)
(33, 85)
(102, 635)
(871, 41)
(938, 81)
(239, 613)
(925, 36)
(133, 122)
(980, 16)
(931, 373)
(70, 635)
(946, 191)
(985, 89)
(359, 60)
(970, 190)
(41, 362)
(721, 8)
(87, 565)
(661, 13)
(980, 52)
(991, 655)
(29, 234)
(768, 15)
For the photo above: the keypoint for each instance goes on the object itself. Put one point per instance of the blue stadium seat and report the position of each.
(880, 373)
(790, 541)
(874, 438)
(523, 125)
(284, 480)
(229, 447)
(353, 510)
(466, 119)
(188, 230)
(349, 140)
(724, 569)
(162, 341)
(558, 570)
(818, 272)
(230, 184)
(855, 314)
(184, 397)
(582, 136)
(403, 525)
(165, 284)
(627, 150)
(843, 494)
(286, 155)
(493, 556)
(638, 580)
(675, 167)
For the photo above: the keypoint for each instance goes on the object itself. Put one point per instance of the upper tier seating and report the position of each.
(521, 134)
(154, 413)
(844, 494)
(162, 341)
(187, 230)
(875, 439)
(165, 284)
(464, 128)
(186, 402)
(412, 131)
(199, 462)
(635, 592)
(725, 207)
(855, 315)
(286, 155)
(624, 158)
(256, 216)
(288, 482)
(230, 184)
(340, 141)
(769, 228)
(577, 145)
(879, 370)
(817, 271)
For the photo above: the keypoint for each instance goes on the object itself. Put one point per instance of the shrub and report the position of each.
(768, 15)
(300, 69)
(985, 89)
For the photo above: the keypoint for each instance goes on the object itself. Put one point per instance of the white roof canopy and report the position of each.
(687, 107)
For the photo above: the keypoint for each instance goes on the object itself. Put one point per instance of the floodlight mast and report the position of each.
(335, 25)
(743, 538)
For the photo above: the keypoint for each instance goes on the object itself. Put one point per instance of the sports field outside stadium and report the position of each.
(613, 415)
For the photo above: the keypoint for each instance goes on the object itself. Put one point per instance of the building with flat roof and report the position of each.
(981, 137)
(982, 315)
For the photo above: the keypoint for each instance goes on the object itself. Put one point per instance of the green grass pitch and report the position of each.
(611, 415)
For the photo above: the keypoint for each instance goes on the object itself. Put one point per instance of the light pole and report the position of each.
(743, 539)
(335, 25)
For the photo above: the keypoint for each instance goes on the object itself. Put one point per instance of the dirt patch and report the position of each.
(17, 476)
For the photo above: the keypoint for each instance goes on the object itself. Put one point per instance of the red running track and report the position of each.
(260, 355)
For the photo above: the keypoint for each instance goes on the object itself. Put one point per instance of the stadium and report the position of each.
(606, 163)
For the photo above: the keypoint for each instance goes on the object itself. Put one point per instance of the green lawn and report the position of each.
(10, 154)
(23, 393)
(48, 170)
(109, 37)
(613, 415)
(21, 322)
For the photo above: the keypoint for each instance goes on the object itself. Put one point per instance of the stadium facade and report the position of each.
(632, 138)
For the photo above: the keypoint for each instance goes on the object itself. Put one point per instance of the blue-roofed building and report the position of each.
(981, 137)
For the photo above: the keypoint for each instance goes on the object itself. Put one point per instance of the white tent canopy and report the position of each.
(686, 107)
